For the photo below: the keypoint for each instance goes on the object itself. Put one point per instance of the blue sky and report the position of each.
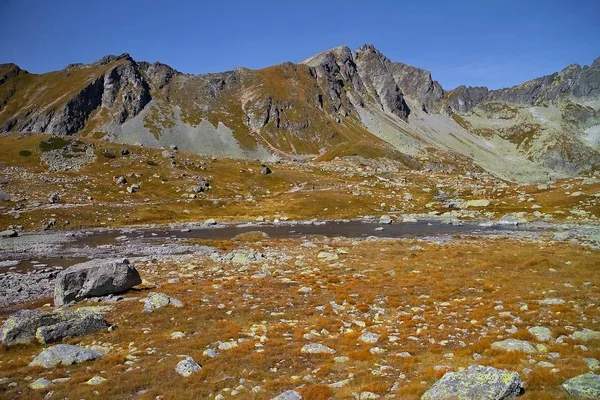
(490, 43)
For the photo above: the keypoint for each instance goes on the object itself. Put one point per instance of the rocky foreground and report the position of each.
(317, 318)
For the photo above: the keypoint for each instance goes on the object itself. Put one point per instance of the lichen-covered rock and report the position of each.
(585, 335)
(24, 326)
(96, 380)
(585, 386)
(476, 382)
(93, 279)
(158, 300)
(20, 327)
(316, 348)
(514, 345)
(187, 367)
(64, 354)
(80, 324)
(541, 333)
(40, 384)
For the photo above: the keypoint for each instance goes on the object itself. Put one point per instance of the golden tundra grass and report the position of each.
(457, 287)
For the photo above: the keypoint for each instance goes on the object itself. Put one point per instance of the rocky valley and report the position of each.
(340, 228)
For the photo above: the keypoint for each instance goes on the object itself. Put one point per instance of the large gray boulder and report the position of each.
(93, 279)
(476, 382)
(585, 386)
(27, 325)
(64, 354)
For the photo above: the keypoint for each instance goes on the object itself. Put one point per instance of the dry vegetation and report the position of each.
(442, 303)
(324, 190)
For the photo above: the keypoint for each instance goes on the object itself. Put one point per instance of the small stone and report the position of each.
(316, 348)
(369, 337)
(40, 383)
(96, 380)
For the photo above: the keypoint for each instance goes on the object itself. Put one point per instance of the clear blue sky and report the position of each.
(491, 43)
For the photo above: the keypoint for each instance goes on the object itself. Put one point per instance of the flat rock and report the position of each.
(316, 348)
(187, 367)
(158, 300)
(585, 386)
(40, 384)
(514, 345)
(476, 382)
(94, 279)
(64, 354)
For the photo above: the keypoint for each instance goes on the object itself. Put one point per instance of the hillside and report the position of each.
(337, 103)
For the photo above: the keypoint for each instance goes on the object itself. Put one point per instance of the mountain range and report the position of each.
(338, 103)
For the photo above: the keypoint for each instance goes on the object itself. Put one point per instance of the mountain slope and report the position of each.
(336, 103)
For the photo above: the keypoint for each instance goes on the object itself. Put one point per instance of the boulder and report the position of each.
(53, 198)
(93, 279)
(265, 170)
(80, 325)
(64, 354)
(476, 382)
(121, 180)
(385, 219)
(187, 367)
(26, 325)
(158, 300)
(9, 233)
(20, 327)
(585, 386)
(514, 345)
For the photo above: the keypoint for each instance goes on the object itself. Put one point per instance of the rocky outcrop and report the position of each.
(27, 325)
(125, 91)
(94, 278)
(476, 382)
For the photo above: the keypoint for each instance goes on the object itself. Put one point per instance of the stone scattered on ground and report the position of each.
(41, 384)
(156, 300)
(541, 333)
(96, 380)
(316, 348)
(64, 354)
(187, 367)
(476, 382)
(93, 279)
(514, 345)
(585, 386)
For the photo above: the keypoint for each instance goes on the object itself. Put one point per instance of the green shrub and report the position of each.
(107, 154)
(25, 153)
(151, 163)
(53, 143)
